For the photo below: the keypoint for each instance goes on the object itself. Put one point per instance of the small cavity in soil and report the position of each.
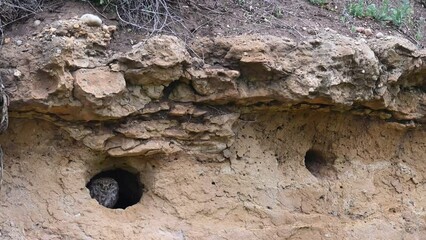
(316, 163)
(116, 188)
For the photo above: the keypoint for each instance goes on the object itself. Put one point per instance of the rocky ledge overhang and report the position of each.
(164, 96)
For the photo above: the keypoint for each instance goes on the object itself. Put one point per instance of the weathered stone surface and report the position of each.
(154, 91)
(256, 73)
(214, 84)
(97, 84)
(146, 129)
(329, 66)
(328, 69)
(182, 93)
(146, 149)
(402, 83)
(159, 60)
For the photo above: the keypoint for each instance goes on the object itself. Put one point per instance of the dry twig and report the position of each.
(153, 16)
(15, 10)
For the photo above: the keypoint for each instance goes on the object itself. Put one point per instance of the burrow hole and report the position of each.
(130, 189)
(319, 165)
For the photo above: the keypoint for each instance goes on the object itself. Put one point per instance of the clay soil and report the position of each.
(265, 191)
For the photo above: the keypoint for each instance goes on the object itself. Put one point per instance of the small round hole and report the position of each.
(116, 188)
(317, 164)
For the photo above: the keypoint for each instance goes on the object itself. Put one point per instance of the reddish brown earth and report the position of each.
(297, 19)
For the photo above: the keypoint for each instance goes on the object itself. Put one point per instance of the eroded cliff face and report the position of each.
(252, 136)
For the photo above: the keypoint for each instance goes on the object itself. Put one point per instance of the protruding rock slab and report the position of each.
(98, 83)
(159, 60)
(145, 149)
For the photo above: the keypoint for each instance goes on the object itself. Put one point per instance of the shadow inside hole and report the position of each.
(130, 188)
(318, 165)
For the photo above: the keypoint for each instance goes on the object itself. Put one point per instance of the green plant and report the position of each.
(318, 2)
(357, 9)
(420, 34)
(379, 13)
(402, 13)
(240, 2)
(277, 12)
(384, 12)
(371, 10)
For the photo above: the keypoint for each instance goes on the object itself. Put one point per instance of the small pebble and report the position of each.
(359, 29)
(91, 20)
(37, 22)
(379, 35)
(368, 32)
(227, 153)
(112, 28)
(312, 31)
(6, 40)
(18, 42)
(17, 73)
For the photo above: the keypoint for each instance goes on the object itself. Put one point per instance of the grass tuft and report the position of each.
(385, 12)
(318, 2)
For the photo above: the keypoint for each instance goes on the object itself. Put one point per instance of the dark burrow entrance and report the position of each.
(319, 165)
(116, 188)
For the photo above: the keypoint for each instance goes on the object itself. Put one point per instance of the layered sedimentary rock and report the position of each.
(164, 96)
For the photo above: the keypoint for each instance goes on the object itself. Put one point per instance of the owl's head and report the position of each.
(105, 191)
(105, 184)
